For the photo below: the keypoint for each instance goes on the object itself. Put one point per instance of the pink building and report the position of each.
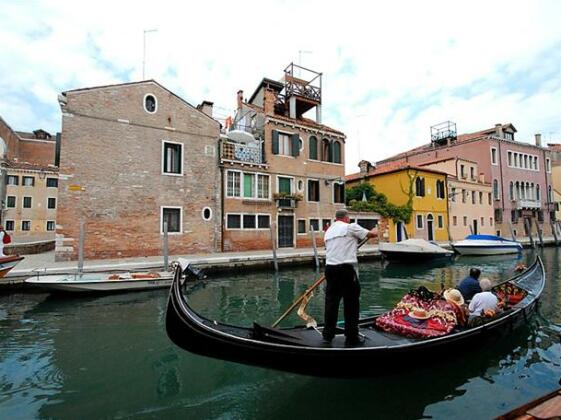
(519, 173)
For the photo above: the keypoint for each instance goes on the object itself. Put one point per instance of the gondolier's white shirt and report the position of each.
(341, 242)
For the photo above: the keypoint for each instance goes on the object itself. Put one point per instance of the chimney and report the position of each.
(539, 140)
(269, 101)
(364, 166)
(240, 99)
(206, 107)
(499, 130)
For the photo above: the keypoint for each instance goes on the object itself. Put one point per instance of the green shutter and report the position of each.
(275, 142)
(313, 147)
(284, 185)
(330, 152)
(295, 145)
(248, 185)
(336, 152)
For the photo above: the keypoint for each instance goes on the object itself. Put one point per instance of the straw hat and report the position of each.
(454, 295)
(419, 313)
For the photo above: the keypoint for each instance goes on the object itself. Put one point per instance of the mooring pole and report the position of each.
(274, 246)
(528, 224)
(554, 232)
(165, 246)
(314, 246)
(540, 237)
(511, 231)
(81, 247)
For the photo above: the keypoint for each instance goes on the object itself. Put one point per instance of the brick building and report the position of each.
(280, 168)
(134, 155)
(519, 173)
(29, 181)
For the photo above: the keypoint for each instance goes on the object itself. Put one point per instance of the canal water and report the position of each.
(109, 357)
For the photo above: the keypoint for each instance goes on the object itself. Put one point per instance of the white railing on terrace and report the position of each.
(528, 204)
(242, 152)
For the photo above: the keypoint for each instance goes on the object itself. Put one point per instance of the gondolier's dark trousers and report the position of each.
(342, 282)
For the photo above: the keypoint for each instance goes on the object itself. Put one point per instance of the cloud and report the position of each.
(390, 70)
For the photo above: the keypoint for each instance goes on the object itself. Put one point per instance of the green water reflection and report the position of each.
(109, 357)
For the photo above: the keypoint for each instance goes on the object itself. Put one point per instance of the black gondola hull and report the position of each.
(208, 338)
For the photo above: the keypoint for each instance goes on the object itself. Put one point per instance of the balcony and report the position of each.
(528, 204)
(244, 153)
(287, 200)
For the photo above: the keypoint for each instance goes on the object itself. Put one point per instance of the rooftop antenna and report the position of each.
(146, 31)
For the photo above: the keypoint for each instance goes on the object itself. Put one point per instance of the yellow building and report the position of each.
(427, 190)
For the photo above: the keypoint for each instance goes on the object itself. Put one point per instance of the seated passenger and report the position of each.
(454, 297)
(483, 304)
(470, 285)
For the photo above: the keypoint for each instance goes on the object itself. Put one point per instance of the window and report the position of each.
(233, 221)
(513, 216)
(314, 225)
(472, 173)
(248, 185)
(10, 225)
(301, 226)
(150, 104)
(464, 193)
(482, 221)
(52, 182)
(284, 185)
(172, 158)
(313, 144)
(263, 186)
(499, 215)
(549, 194)
(50, 225)
(367, 223)
(509, 136)
(26, 225)
(462, 171)
(540, 216)
(538, 195)
(419, 221)
(439, 189)
(509, 154)
(490, 221)
(494, 156)
(480, 197)
(453, 194)
(11, 201)
(489, 198)
(496, 189)
(12, 180)
(455, 220)
(313, 190)
(325, 223)
(284, 145)
(326, 151)
(51, 203)
(420, 187)
(26, 202)
(338, 192)
(548, 164)
(263, 221)
(206, 213)
(28, 181)
(249, 221)
(536, 163)
(173, 216)
(440, 221)
(336, 152)
(233, 184)
(511, 190)
(465, 221)
(473, 197)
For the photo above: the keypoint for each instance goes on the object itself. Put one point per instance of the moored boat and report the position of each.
(486, 245)
(8, 262)
(413, 250)
(302, 350)
(545, 407)
(101, 282)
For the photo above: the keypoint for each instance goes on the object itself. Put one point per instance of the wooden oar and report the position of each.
(308, 290)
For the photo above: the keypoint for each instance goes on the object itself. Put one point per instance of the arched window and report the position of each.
(511, 191)
(420, 187)
(517, 190)
(326, 152)
(496, 189)
(538, 192)
(440, 189)
(313, 143)
(336, 152)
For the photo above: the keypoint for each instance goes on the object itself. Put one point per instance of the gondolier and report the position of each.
(341, 273)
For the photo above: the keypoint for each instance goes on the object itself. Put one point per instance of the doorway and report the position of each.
(475, 231)
(399, 231)
(430, 227)
(286, 231)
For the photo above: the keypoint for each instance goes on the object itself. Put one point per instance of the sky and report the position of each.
(391, 70)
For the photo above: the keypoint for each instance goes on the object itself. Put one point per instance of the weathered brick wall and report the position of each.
(10, 138)
(40, 152)
(111, 174)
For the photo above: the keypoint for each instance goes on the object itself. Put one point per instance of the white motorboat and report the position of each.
(102, 282)
(8, 262)
(486, 245)
(413, 250)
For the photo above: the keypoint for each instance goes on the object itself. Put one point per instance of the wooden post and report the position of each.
(540, 237)
(81, 247)
(528, 224)
(554, 232)
(165, 247)
(511, 231)
(274, 246)
(471, 229)
(314, 245)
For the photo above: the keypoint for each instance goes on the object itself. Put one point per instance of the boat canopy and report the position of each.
(486, 238)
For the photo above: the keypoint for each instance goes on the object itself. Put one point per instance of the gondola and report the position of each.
(302, 350)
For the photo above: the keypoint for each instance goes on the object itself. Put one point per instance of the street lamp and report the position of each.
(146, 31)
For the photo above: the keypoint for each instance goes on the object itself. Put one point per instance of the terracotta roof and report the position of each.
(11, 164)
(301, 121)
(389, 168)
(556, 147)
